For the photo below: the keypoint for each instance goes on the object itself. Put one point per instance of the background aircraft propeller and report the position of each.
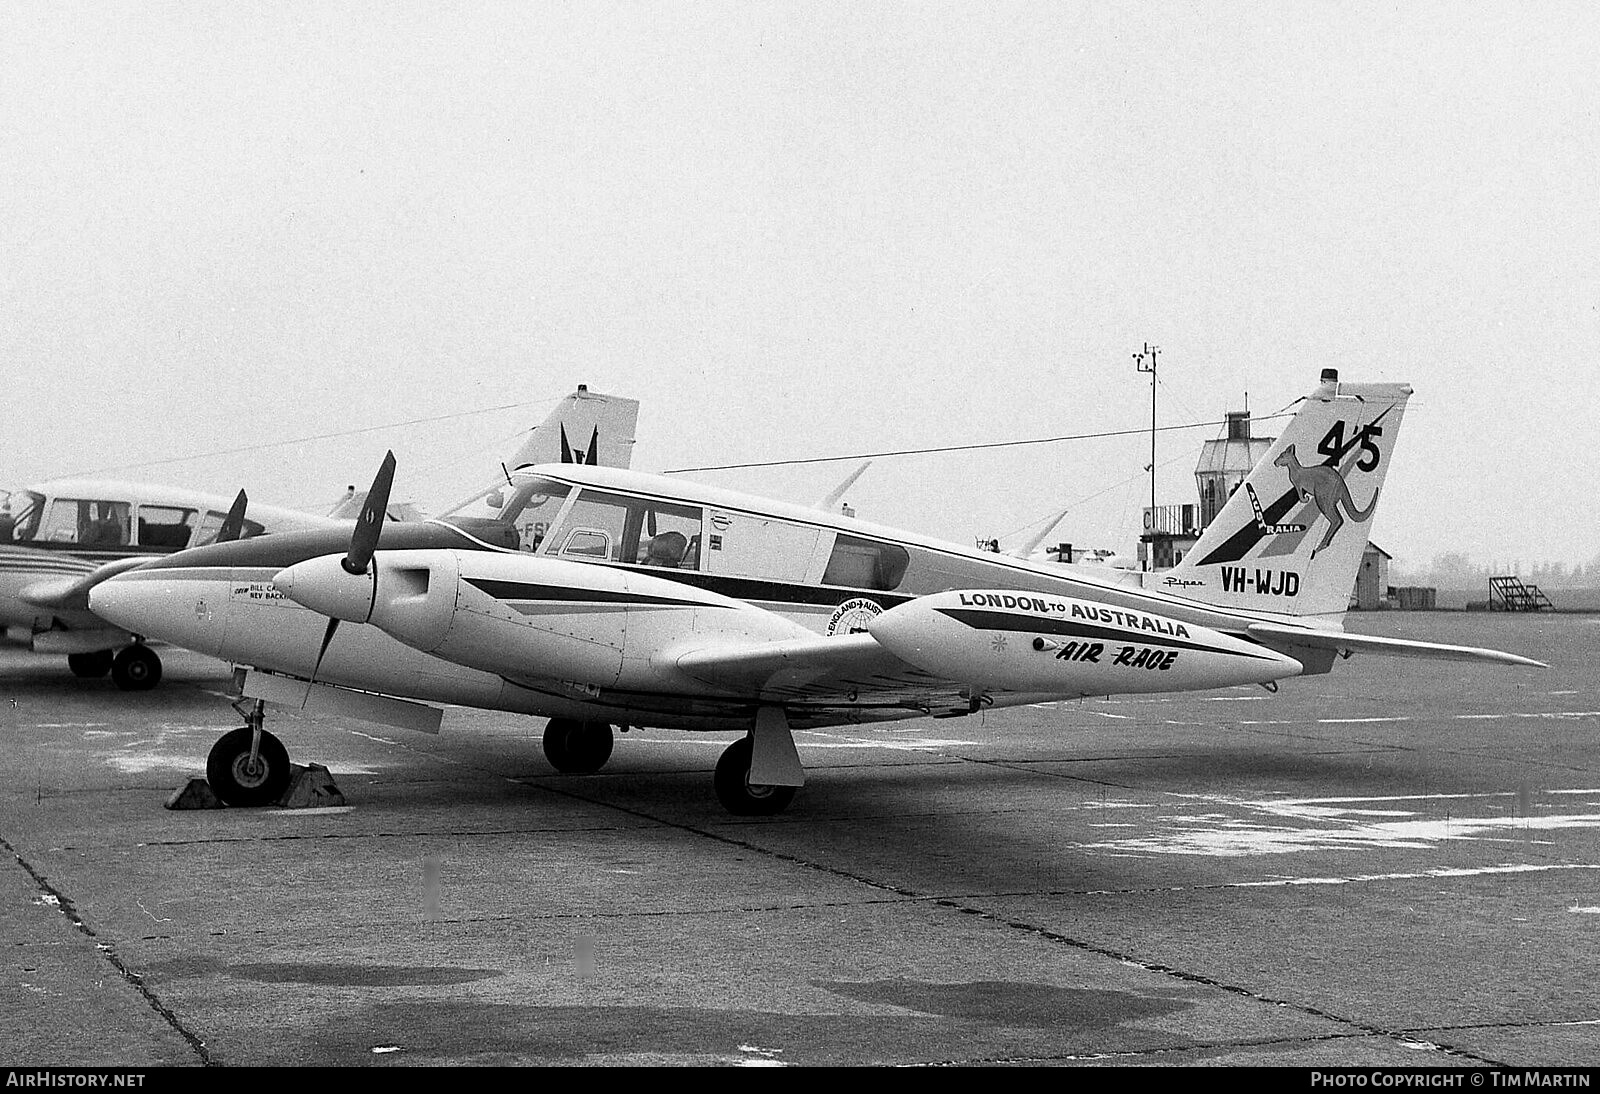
(233, 523)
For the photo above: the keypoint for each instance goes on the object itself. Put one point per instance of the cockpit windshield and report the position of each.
(515, 514)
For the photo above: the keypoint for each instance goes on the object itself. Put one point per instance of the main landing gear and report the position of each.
(758, 774)
(738, 794)
(577, 748)
(136, 668)
(249, 766)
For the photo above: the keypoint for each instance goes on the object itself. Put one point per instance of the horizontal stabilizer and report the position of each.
(1276, 635)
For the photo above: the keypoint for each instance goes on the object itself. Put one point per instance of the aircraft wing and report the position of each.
(1277, 635)
(72, 593)
(855, 667)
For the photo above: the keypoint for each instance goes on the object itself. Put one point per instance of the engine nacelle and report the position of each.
(1041, 642)
(525, 617)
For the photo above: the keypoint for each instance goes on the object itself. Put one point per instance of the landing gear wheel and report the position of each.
(136, 668)
(577, 748)
(236, 781)
(737, 795)
(90, 666)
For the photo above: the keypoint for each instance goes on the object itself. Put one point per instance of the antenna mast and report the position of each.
(1146, 362)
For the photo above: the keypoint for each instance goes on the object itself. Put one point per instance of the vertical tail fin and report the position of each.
(1290, 539)
(587, 428)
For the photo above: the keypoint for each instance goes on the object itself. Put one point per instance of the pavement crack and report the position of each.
(108, 953)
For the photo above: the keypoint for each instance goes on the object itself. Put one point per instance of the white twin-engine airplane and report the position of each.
(600, 597)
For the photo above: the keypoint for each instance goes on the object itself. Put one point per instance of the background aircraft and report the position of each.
(60, 539)
(597, 597)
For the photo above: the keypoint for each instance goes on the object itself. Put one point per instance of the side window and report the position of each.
(670, 537)
(617, 528)
(86, 523)
(596, 527)
(865, 564)
(165, 526)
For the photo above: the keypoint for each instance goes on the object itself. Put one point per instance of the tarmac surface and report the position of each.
(1397, 864)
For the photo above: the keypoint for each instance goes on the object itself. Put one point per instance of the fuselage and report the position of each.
(820, 572)
(66, 528)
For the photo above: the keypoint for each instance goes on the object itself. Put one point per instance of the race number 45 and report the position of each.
(1334, 445)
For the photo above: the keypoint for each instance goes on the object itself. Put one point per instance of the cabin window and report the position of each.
(865, 564)
(165, 527)
(619, 528)
(86, 523)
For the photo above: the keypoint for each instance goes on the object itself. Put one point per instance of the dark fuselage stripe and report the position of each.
(1068, 628)
(524, 590)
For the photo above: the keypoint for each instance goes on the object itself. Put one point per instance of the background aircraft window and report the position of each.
(25, 508)
(165, 526)
(86, 523)
(211, 524)
(865, 564)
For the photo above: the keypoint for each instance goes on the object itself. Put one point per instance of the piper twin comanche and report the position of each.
(598, 597)
(61, 539)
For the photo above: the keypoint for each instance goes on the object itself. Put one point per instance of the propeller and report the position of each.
(233, 523)
(363, 545)
(369, 525)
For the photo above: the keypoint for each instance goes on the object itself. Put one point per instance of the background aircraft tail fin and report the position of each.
(587, 428)
(1290, 538)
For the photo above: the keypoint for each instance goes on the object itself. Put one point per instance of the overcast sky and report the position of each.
(808, 229)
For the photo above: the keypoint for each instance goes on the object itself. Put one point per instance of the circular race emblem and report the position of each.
(852, 616)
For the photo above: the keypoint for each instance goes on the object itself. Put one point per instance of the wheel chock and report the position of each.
(310, 787)
(195, 794)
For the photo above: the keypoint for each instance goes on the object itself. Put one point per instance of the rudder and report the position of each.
(1290, 539)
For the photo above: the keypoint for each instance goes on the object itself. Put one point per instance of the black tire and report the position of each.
(90, 666)
(732, 782)
(137, 668)
(231, 777)
(577, 748)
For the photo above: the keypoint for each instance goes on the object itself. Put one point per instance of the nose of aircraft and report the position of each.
(170, 606)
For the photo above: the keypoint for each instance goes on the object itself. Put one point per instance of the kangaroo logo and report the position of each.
(1322, 484)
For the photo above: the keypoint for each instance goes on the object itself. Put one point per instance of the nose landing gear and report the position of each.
(248, 766)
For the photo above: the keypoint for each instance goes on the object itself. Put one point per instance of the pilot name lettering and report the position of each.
(1236, 579)
(257, 590)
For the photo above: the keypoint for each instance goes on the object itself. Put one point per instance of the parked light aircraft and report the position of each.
(60, 539)
(598, 597)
